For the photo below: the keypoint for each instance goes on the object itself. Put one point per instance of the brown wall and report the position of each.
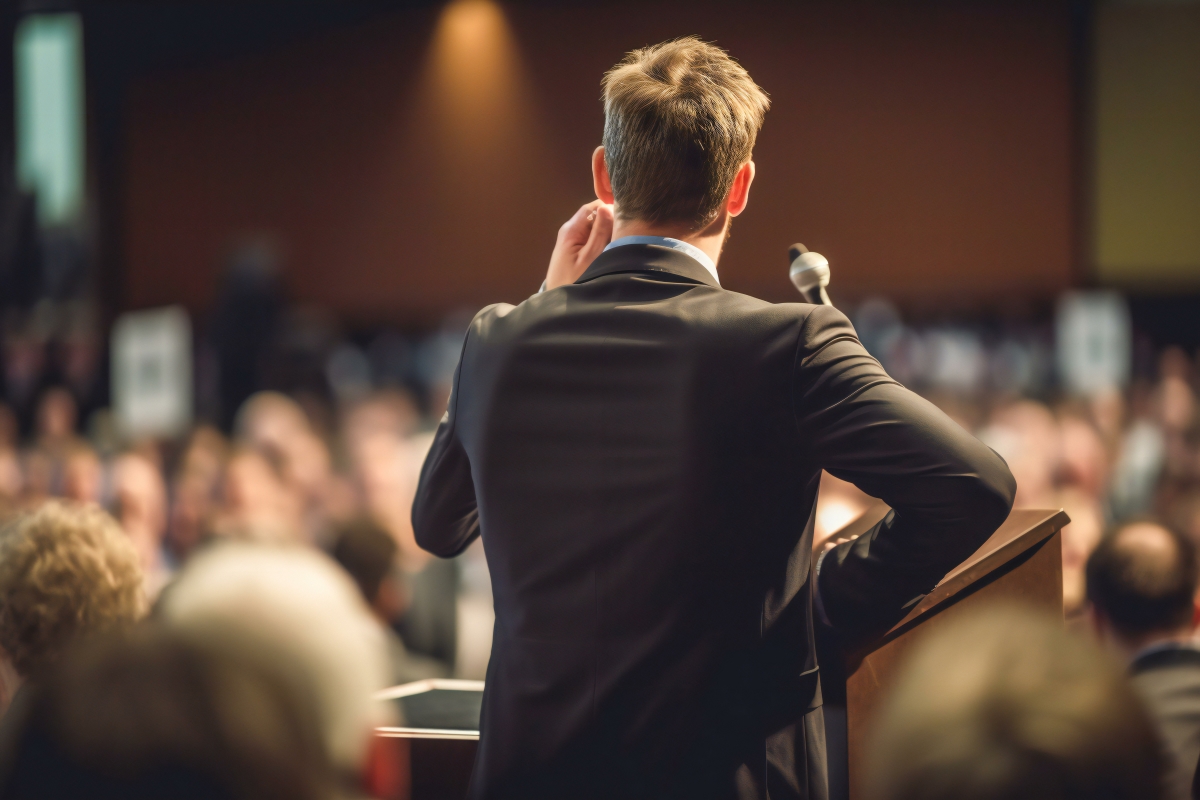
(408, 168)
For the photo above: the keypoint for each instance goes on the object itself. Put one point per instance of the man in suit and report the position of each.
(640, 450)
(1141, 585)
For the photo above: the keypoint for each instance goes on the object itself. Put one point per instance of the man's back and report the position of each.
(641, 451)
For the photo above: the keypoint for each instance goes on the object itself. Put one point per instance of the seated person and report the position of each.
(155, 715)
(368, 553)
(65, 570)
(1141, 584)
(294, 603)
(1007, 705)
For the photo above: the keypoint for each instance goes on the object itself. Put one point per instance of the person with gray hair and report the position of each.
(298, 606)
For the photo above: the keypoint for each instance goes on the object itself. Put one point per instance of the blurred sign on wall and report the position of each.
(1147, 144)
(1094, 341)
(152, 372)
(48, 56)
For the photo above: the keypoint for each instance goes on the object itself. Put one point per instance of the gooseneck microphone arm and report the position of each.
(810, 274)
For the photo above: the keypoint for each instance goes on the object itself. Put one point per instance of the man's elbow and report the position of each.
(426, 533)
(443, 539)
(994, 492)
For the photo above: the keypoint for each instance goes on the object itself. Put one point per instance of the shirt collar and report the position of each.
(675, 244)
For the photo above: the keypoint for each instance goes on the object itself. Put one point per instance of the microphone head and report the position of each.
(808, 270)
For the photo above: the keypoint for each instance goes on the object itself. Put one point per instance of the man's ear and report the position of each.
(739, 195)
(600, 179)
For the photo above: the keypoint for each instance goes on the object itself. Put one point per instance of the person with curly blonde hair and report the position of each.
(65, 570)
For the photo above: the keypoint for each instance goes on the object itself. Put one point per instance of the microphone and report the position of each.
(810, 274)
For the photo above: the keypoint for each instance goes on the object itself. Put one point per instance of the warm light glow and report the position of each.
(475, 71)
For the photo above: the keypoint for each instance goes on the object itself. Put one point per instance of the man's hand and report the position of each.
(580, 239)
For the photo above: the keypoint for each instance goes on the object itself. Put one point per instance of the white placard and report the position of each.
(1094, 341)
(152, 372)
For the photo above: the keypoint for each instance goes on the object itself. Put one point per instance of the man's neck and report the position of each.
(710, 239)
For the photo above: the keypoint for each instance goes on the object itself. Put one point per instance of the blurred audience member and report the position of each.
(390, 413)
(368, 554)
(12, 482)
(1083, 460)
(1079, 539)
(82, 474)
(154, 715)
(388, 470)
(9, 433)
(257, 501)
(1007, 706)
(277, 425)
(1026, 435)
(65, 571)
(56, 420)
(300, 605)
(194, 492)
(1142, 586)
(141, 508)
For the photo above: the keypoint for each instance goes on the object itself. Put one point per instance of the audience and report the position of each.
(296, 607)
(140, 501)
(1009, 706)
(1141, 585)
(66, 571)
(369, 555)
(154, 715)
(231, 533)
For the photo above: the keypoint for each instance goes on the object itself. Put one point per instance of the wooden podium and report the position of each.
(434, 747)
(1021, 562)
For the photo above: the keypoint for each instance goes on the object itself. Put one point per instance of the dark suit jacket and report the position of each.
(1169, 681)
(641, 452)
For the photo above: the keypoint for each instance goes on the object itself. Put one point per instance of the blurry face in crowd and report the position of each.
(256, 500)
(11, 481)
(1083, 460)
(278, 424)
(56, 415)
(141, 500)
(1079, 539)
(391, 414)
(190, 508)
(1026, 435)
(82, 476)
(8, 428)
(1176, 403)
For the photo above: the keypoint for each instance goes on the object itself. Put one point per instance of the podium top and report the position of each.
(1023, 530)
(434, 709)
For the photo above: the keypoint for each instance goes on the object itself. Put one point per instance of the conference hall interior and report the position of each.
(241, 244)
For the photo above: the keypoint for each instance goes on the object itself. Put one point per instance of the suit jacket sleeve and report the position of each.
(445, 515)
(948, 491)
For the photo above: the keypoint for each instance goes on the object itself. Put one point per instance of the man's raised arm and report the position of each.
(948, 491)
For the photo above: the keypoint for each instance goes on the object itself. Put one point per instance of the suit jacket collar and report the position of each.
(648, 258)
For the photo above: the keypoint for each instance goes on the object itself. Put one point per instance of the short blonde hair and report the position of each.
(680, 119)
(65, 570)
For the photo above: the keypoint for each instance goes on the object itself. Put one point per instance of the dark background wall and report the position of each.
(925, 148)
